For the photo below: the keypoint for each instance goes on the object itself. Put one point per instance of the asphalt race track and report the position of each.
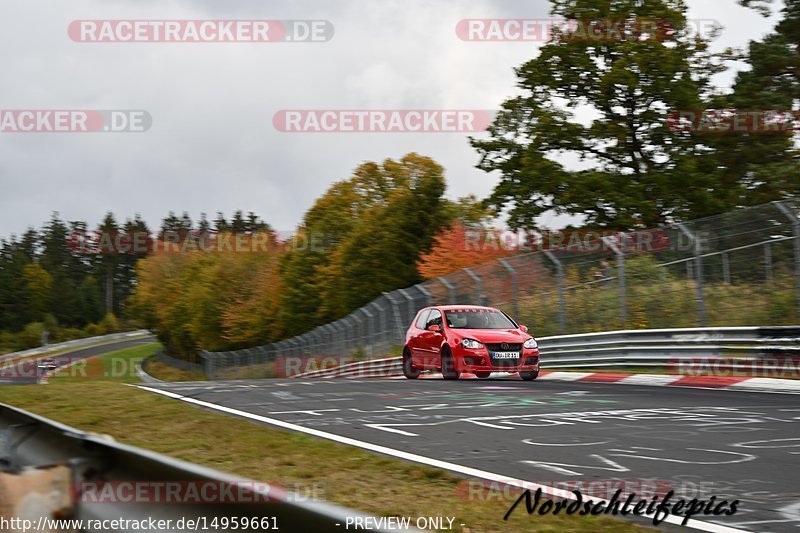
(698, 442)
(25, 372)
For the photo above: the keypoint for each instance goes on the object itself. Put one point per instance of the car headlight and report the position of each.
(531, 344)
(472, 344)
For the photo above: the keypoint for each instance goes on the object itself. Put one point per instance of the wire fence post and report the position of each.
(426, 294)
(398, 320)
(451, 291)
(360, 331)
(369, 325)
(726, 269)
(411, 310)
(377, 318)
(338, 333)
(514, 286)
(698, 274)
(791, 215)
(562, 312)
(768, 262)
(478, 286)
(621, 282)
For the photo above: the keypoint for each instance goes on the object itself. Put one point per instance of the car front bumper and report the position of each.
(481, 361)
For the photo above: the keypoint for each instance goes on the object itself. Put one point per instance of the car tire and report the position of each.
(449, 370)
(408, 368)
(482, 375)
(529, 376)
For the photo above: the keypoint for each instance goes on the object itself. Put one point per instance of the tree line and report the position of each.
(52, 289)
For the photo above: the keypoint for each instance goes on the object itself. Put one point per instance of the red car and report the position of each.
(468, 338)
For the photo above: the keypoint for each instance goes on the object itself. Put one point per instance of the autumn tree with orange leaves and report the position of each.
(202, 300)
(460, 246)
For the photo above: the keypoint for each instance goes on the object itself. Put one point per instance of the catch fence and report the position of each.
(740, 268)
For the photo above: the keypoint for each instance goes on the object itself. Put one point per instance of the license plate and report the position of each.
(505, 355)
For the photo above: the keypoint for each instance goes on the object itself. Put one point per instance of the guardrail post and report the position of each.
(791, 215)
(698, 274)
(621, 282)
(451, 290)
(478, 286)
(562, 314)
(514, 286)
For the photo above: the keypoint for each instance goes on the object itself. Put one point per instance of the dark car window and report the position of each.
(479, 319)
(421, 319)
(434, 317)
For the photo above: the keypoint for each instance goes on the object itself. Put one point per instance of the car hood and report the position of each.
(492, 335)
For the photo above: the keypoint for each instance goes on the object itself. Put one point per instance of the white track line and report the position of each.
(465, 470)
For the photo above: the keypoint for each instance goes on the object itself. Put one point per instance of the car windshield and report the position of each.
(478, 319)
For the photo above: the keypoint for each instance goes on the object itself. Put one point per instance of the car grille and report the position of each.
(504, 347)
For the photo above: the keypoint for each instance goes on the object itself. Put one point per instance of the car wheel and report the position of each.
(483, 375)
(529, 376)
(408, 369)
(449, 370)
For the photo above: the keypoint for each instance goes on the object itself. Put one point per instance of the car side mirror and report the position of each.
(523, 329)
(434, 327)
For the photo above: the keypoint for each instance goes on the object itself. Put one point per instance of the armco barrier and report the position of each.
(76, 343)
(629, 348)
(68, 461)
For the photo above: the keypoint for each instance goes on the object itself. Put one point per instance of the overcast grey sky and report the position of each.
(212, 146)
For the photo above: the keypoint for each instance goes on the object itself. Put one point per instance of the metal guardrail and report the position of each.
(631, 348)
(30, 444)
(75, 343)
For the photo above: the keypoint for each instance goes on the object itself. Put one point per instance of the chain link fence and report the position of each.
(735, 269)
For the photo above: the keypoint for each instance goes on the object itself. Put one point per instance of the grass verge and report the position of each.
(165, 372)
